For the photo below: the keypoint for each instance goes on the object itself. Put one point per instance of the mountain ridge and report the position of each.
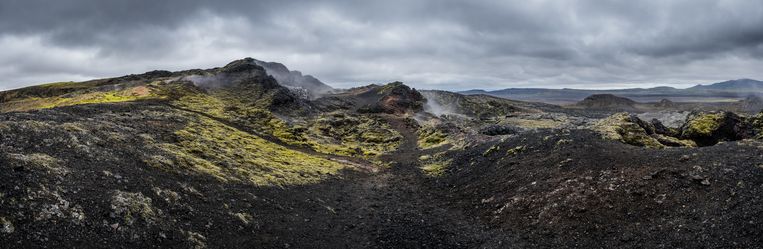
(731, 90)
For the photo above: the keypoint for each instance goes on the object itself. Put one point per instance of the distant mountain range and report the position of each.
(726, 91)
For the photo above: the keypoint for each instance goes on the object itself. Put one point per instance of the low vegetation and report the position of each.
(434, 165)
(80, 98)
(351, 135)
(133, 207)
(212, 148)
(430, 137)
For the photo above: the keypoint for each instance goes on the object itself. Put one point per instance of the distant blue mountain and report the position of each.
(723, 91)
(474, 92)
(733, 85)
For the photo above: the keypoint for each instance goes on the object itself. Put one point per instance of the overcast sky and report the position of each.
(429, 44)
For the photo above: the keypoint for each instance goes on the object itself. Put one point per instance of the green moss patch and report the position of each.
(132, 207)
(703, 125)
(434, 165)
(96, 97)
(622, 128)
(209, 147)
(40, 162)
(431, 139)
(351, 135)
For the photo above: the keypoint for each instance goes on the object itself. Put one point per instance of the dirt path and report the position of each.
(397, 207)
(410, 212)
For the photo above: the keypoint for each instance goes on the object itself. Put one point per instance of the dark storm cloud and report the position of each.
(429, 44)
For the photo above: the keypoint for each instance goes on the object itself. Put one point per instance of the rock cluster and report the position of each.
(698, 129)
(395, 98)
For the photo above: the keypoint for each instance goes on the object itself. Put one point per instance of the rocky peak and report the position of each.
(246, 65)
(394, 98)
(294, 79)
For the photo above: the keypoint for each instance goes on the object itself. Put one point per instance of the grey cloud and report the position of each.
(431, 44)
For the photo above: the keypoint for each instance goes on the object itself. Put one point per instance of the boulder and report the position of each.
(632, 130)
(621, 127)
(710, 128)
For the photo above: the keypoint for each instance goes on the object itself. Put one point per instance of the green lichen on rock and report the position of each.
(619, 127)
(351, 135)
(195, 240)
(209, 147)
(169, 196)
(201, 102)
(6, 226)
(390, 87)
(609, 127)
(434, 165)
(491, 150)
(86, 96)
(245, 218)
(710, 128)
(563, 141)
(332, 133)
(132, 207)
(703, 125)
(633, 134)
(634, 131)
(38, 161)
(430, 137)
(515, 151)
(435, 168)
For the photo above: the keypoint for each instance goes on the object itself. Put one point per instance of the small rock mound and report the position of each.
(665, 103)
(393, 98)
(246, 65)
(607, 101)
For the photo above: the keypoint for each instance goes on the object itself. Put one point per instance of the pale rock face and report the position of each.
(670, 119)
(294, 79)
